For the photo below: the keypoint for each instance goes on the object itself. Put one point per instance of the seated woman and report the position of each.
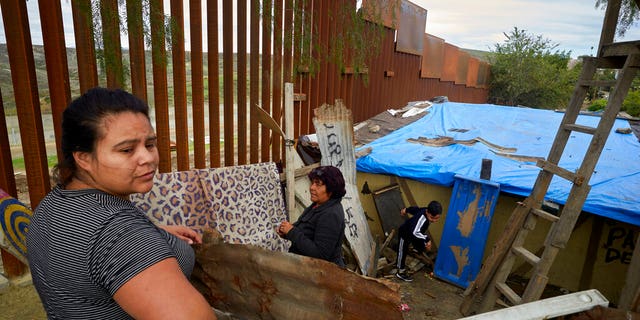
(319, 231)
(92, 253)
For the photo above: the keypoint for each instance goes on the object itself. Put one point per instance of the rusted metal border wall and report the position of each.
(264, 56)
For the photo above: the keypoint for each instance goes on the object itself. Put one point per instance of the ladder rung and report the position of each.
(562, 172)
(580, 128)
(598, 83)
(545, 215)
(508, 293)
(526, 255)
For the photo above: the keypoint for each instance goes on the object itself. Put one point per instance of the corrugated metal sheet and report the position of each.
(253, 283)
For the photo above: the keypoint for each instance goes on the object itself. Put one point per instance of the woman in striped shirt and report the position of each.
(92, 253)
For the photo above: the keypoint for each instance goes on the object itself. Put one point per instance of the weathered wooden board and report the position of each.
(334, 129)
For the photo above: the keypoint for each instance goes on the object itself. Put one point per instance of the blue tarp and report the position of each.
(615, 183)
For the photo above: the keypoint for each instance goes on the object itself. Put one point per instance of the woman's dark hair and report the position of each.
(332, 179)
(81, 122)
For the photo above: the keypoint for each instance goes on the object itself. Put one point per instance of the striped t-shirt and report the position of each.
(83, 245)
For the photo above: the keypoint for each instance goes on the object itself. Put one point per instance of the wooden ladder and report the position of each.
(491, 282)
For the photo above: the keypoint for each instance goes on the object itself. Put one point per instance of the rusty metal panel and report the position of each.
(432, 57)
(85, 45)
(214, 83)
(57, 68)
(197, 84)
(253, 283)
(136, 50)
(23, 77)
(160, 91)
(463, 67)
(411, 24)
(382, 11)
(450, 63)
(111, 43)
(483, 75)
(254, 82)
(472, 72)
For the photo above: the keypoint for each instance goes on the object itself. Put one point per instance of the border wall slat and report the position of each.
(330, 29)
(179, 86)
(227, 78)
(254, 80)
(111, 43)
(7, 179)
(297, 54)
(213, 60)
(197, 86)
(242, 82)
(287, 65)
(323, 72)
(23, 77)
(266, 76)
(55, 53)
(160, 90)
(277, 150)
(136, 50)
(85, 45)
(306, 80)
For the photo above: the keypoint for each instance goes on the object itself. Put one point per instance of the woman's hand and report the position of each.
(284, 228)
(184, 233)
(428, 245)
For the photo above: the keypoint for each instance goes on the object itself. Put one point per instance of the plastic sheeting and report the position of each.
(615, 183)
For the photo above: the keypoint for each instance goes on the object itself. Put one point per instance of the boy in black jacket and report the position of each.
(414, 231)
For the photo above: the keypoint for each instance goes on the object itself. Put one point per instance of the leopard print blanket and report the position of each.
(243, 203)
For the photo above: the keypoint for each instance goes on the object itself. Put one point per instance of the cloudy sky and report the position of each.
(573, 24)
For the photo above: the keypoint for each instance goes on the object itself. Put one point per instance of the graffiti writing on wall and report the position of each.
(619, 245)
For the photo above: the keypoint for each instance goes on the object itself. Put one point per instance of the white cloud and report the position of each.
(574, 24)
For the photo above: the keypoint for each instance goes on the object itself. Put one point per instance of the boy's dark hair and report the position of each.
(434, 208)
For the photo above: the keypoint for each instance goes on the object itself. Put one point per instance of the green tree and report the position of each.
(528, 70)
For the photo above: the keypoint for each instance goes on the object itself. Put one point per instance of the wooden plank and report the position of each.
(561, 172)
(289, 156)
(197, 84)
(511, 295)
(609, 24)
(334, 129)
(527, 255)
(548, 308)
(579, 128)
